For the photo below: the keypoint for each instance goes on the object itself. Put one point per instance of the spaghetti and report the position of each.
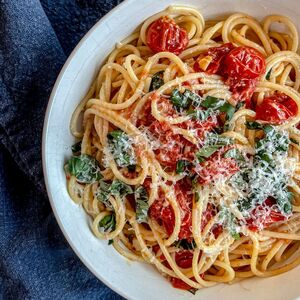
(188, 157)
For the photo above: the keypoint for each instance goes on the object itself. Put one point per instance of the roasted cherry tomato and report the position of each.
(179, 284)
(244, 63)
(243, 66)
(184, 259)
(263, 216)
(165, 35)
(276, 109)
(214, 58)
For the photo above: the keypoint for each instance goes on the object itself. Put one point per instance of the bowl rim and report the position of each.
(44, 139)
(117, 288)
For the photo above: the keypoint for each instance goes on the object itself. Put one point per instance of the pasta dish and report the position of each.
(188, 147)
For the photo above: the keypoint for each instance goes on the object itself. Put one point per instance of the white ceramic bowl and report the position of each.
(131, 279)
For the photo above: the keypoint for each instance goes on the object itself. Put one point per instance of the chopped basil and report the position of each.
(181, 166)
(142, 206)
(85, 168)
(76, 148)
(206, 152)
(253, 125)
(156, 81)
(110, 242)
(185, 244)
(228, 109)
(239, 105)
(116, 188)
(229, 221)
(179, 100)
(236, 154)
(284, 201)
(103, 193)
(193, 98)
(121, 148)
(193, 291)
(108, 223)
(121, 189)
(269, 74)
(131, 168)
(212, 102)
(294, 141)
(236, 235)
(216, 139)
(200, 114)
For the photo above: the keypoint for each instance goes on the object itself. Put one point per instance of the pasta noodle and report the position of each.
(187, 165)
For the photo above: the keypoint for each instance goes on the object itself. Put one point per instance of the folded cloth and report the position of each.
(35, 39)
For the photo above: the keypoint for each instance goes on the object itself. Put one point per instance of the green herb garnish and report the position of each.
(268, 76)
(85, 168)
(108, 223)
(76, 148)
(142, 206)
(253, 125)
(156, 81)
(121, 148)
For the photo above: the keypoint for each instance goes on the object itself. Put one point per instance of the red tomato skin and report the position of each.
(244, 63)
(184, 259)
(218, 55)
(179, 284)
(270, 217)
(276, 109)
(243, 66)
(165, 35)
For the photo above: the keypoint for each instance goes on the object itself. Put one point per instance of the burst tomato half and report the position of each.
(165, 35)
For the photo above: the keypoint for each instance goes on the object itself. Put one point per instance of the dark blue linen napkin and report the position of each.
(35, 39)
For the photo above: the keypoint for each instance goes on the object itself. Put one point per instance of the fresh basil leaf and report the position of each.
(76, 147)
(179, 100)
(239, 105)
(121, 148)
(268, 76)
(268, 129)
(116, 134)
(215, 139)
(193, 98)
(212, 102)
(85, 168)
(156, 81)
(235, 235)
(199, 114)
(207, 151)
(185, 244)
(284, 201)
(234, 153)
(193, 291)
(228, 109)
(103, 193)
(142, 206)
(131, 168)
(108, 223)
(253, 125)
(119, 188)
(294, 141)
(181, 166)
